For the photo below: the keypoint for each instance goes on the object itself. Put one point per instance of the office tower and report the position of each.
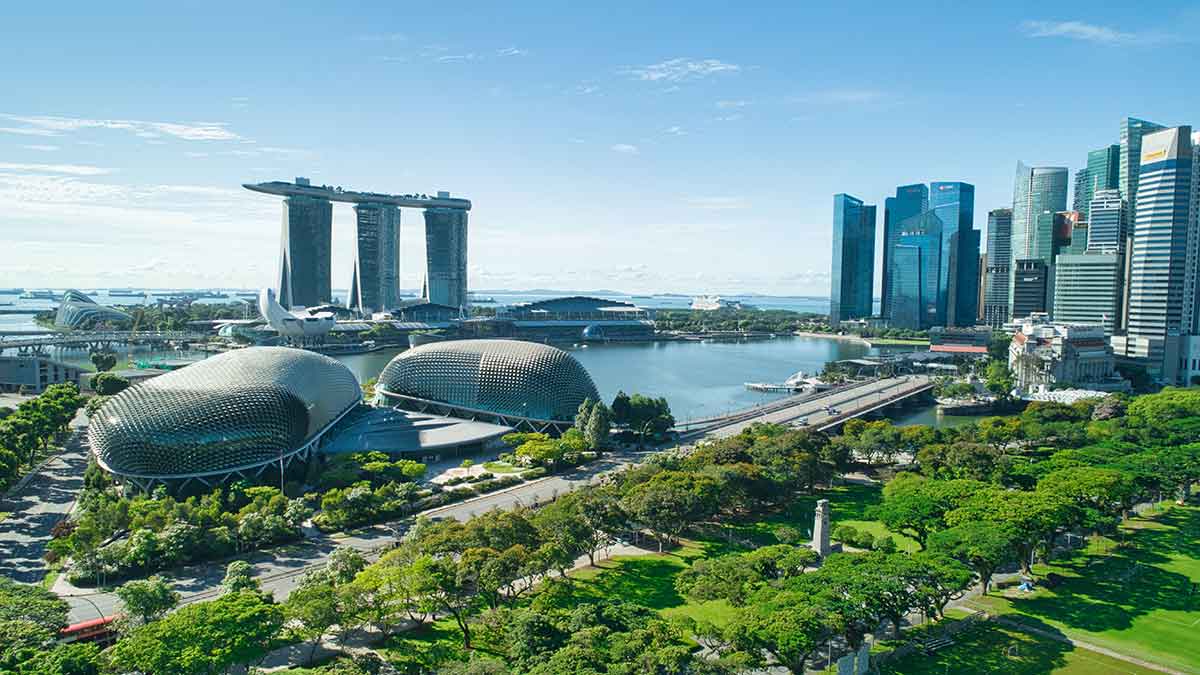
(1088, 289)
(910, 200)
(1132, 131)
(916, 272)
(953, 203)
(982, 286)
(853, 274)
(1070, 233)
(1101, 173)
(304, 251)
(1162, 291)
(375, 285)
(999, 251)
(1079, 239)
(1107, 227)
(1030, 281)
(446, 256)
(1038, 193)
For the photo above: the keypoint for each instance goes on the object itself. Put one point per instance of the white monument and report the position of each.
(820, 540)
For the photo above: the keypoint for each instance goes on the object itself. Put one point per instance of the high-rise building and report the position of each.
(375, 285)
(304, 253)
(999, 251)
(958, 291)
(916, 272)
(1030, 282)
(1162, 291)
(1132, 131)
(446, 256)
(1101, 173)
(853, 274)
(1087, 290)
(1038, 193)
(1107, 227)
(910, 200)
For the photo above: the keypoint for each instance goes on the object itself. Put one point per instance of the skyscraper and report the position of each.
(1030, 282)
(852, 277)
(953, 203)
(1101, 173)
(305, 246)
(916, 272)
(999, 255)
(1038, 193)
(375, 285)
(1107, 227)
(1162, 292)
(1087, 289)
(1132, 131)
(910, 200)
(446, 256)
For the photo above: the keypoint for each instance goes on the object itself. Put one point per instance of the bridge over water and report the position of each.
(849, 401)
(25, 343)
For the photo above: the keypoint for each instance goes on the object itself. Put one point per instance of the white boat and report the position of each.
(709, 303)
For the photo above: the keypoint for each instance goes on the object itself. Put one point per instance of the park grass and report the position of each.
(501, 467)
(1133, 599)
(992, 648)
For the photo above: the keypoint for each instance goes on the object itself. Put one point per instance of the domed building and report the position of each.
(77, 310)
(524, 385)
(234, 415)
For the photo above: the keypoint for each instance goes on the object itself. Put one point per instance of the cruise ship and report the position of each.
(709, 303)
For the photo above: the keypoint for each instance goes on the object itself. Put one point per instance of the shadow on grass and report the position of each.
(990, 648)
(647, 580)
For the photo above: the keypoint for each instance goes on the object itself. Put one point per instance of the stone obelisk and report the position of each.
(820, 540)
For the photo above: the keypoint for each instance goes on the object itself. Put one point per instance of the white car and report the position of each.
(802, 422)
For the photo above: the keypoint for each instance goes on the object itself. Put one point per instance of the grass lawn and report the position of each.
(1135, 599)
(990, 648)
(501, 467)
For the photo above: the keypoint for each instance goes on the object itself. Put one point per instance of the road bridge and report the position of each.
(824, 411)
(99, 340)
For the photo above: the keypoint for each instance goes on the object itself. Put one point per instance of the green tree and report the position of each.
(621, 409)
(25, 602)
(239, 577)
(146, 600)
(598, 426)
(982, 546)
(108, 384)
(669, 502)
(103, 361)
(312, 609)
(584, 414)
(785, 625)
(998, 378)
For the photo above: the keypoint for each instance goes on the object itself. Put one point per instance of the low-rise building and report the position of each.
(968, 340)
(32, 374)
(1044, 354)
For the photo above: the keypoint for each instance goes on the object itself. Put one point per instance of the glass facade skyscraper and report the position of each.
(1132, 131)
(446, 256)
(916, 271)
(910, 200)
(852, 277)
(1107, 226)
(953, 203)
(1101, 173)
(999, 257)
(1038, 194)
(1087, 289)
(304, 253)
(375, 285)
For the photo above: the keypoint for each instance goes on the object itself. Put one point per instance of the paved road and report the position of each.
(279, 570)
(845, 400)
(46, 499)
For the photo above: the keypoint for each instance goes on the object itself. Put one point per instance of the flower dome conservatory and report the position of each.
(229, 416)
(524, 385)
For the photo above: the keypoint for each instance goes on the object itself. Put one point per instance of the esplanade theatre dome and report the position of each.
(231, 414)
(498, 378)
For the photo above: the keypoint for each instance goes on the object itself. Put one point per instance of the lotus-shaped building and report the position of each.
(229, 416)
(524, 385)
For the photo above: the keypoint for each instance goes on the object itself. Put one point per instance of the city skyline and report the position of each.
(714, 149)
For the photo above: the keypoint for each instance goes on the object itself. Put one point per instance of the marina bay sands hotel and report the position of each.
(304, 255)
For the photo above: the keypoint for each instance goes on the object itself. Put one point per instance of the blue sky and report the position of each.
(690, 147)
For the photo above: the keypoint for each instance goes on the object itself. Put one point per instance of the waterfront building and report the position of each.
(77, 311)
(567, 320)
(232, 416)
(1132, 131)
(852, 276)
(1101, 173)
(999, 252)
(301, 326)
(1162, 288)
(1088, 290)
(1043, 354)
(915, 273)
(964, 340)
(1030, 282)
(953, 203)
(32, 374)
(375, 285)
(910, 201)
(523, 385)
(305, 249)
(1039, 193)
(446, 256)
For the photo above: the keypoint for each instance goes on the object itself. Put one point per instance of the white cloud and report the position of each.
(28, 132)
(732, 104)
(681, 69)
(455, 58)
(511, 51)
(69, 169)
(625, 149)
(197, 131)
(586, 88)
(1090, 32)
(41, 148)
(676, 131)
